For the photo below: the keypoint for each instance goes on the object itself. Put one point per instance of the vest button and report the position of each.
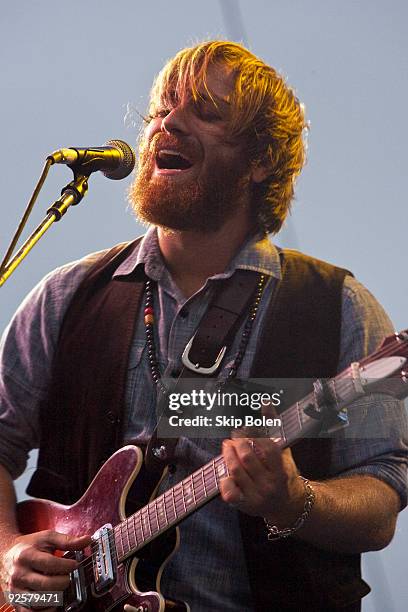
(111, 417)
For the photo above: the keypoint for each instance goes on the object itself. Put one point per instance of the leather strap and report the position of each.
(218, 324)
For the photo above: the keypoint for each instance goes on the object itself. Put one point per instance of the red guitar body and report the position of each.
(138, 578)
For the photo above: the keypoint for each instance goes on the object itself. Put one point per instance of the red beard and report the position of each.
(201, 203)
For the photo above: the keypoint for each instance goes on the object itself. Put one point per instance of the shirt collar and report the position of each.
(257, 254)
(147, 254)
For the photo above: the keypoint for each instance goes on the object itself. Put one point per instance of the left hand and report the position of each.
(263, 479)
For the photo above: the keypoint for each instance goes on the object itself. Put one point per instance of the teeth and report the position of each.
(172, 152)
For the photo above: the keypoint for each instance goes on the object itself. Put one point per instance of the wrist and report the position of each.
(296, 517)
(289, 506)
(7, 541)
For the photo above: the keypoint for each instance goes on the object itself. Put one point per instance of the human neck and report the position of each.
(192, 257)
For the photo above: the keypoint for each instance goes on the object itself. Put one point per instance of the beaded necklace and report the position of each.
(151, 345)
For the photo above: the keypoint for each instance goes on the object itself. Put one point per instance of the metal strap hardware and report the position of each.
(195, 367)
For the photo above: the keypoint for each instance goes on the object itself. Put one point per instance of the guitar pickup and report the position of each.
(103, 559)
(75, 596)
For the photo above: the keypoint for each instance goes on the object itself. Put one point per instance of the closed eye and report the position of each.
(159, 114)
(209, 115)
(207, 111)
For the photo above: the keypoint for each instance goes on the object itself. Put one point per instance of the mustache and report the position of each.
(162, 140)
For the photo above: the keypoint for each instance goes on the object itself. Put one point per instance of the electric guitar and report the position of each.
(127, 556)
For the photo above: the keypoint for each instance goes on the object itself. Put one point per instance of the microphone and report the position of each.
(116, 159)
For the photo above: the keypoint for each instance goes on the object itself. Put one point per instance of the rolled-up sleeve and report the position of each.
(376, 441)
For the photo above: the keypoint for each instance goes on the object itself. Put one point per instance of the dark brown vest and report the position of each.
(81, 422)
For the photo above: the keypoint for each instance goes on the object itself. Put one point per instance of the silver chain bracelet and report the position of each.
(274, 533)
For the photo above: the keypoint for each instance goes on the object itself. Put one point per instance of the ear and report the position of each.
(260, 172)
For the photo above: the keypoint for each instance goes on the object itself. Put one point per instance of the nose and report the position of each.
(175, 121)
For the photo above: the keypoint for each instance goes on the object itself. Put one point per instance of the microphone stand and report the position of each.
(71, 195)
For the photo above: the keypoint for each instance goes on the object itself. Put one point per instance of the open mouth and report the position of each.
(167, 159)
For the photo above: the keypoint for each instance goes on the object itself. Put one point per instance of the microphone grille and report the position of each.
(127, 162)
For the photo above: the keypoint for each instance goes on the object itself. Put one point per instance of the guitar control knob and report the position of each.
(160, 452)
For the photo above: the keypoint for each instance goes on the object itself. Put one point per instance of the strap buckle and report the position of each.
(195, 367)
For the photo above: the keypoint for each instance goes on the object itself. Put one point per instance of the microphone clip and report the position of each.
(71, 195)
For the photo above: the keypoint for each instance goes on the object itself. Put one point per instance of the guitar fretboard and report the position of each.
(169, 508)
(172, 506)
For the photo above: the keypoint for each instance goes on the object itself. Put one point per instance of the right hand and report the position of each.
(30, 565)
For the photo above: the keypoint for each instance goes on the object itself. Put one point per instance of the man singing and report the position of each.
(86, 355)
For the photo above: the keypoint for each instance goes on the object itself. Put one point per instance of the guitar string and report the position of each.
(290, 415)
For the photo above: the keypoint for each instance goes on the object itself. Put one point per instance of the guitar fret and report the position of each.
(121, 538)
(165, 511)
(182, 497)
(156, 511)
(134, 530)
(161, 511)
(192, 490)
(212, 479)
(344, 388)
(203, 479)
(138, 536)
(141, 526)
(128, 538)
(187, 493)
(118, 542)
(170, 515)
(207, 483)
(153, 505)
(332, 385)
(174, 503)
(220, 470)
(149, 522)
(146, 519)
(199, 493)
(296, 423)
(214, 475)
(151, 518)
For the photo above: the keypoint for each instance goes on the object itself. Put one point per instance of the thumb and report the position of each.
(62, 541)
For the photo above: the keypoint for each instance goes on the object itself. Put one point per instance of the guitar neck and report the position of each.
(169, 508)
(172, 506)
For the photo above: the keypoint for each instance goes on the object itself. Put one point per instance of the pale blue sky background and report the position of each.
(68, 71)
